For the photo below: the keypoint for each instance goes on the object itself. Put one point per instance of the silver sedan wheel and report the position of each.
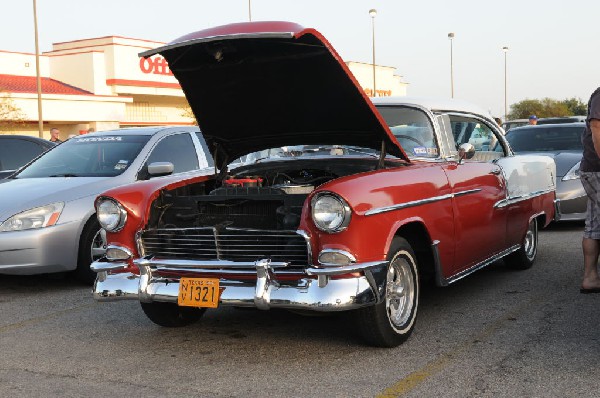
(98, 248)
(400, 292)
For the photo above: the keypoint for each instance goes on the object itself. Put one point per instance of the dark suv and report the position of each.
(563, 119)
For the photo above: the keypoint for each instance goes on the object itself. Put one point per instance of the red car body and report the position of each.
(344, 217)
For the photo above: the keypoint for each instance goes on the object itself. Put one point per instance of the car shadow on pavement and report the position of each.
(44, 282)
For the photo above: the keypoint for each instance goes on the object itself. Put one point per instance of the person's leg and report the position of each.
(591, 251)
(591, 234)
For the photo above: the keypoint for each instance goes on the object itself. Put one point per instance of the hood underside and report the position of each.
(260, 85)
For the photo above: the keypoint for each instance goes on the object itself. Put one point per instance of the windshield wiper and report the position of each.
(361, 151)
(64, 175)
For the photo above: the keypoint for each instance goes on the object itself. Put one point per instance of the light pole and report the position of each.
(451, 37)
(250, 10)
(37, 73)
(505, 49)
(373, 13)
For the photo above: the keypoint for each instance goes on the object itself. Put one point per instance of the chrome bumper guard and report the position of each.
(320, 294)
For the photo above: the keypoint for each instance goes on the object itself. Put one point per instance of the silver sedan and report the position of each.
(563, 143)
(47, 216)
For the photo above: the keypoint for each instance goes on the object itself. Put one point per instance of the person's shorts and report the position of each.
(591, 184)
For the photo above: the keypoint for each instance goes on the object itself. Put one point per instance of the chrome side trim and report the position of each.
(516, 199)
(419, 202)
(479, 266)
(461, 193)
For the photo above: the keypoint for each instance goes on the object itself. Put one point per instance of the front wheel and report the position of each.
(391, 322)
(92, 246)
(525, 256)
(171, 315)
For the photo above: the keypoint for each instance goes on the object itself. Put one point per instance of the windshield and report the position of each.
(102, 156)
(411, 127)
(544, 139)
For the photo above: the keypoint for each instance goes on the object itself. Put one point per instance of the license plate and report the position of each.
(198, 292)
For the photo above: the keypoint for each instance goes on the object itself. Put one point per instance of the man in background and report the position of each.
(55, 135)
(533, 120)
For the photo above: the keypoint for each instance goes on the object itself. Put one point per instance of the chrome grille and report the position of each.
(226, 244)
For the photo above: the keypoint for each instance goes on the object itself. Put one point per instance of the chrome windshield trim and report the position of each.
(419, 202)
(516, 199)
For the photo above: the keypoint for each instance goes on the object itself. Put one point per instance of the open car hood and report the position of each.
(260, 85)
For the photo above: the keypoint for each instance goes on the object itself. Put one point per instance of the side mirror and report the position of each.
(157, 169)
(465, 151)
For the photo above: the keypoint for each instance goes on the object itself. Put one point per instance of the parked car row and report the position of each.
(510, 124)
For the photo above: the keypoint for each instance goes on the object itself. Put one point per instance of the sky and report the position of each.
(552, 43)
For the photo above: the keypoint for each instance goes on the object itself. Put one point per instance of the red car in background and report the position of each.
(322, 200)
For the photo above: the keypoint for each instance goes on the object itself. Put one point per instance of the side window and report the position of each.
(480, 135)
(14, 153)
(178, 149)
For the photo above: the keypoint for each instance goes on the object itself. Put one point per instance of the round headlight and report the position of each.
(330, 212)
(111, 215)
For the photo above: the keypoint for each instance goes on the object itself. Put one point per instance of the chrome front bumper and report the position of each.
(308, 293)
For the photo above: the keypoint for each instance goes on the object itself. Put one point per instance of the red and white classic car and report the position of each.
(321, 199)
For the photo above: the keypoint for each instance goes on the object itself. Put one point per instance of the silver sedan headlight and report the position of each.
(573, 174)
(111, 215)
(330, 212)
(39, 217)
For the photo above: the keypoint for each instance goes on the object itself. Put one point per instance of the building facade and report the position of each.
(102, 83)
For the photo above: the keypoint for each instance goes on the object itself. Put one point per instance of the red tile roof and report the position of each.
(27, 84)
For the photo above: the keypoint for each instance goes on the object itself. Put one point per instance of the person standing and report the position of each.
(590, 178)
(55, 135)
(533, 120)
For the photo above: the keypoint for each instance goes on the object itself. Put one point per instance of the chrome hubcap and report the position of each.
(529, 244)
(400, 292)
(98, 249)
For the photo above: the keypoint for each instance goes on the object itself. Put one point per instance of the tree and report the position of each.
(576, 106)
(11, 115)
(547, 107)
(186, 111)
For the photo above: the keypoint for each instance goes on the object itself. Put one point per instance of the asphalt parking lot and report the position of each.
(497, 333)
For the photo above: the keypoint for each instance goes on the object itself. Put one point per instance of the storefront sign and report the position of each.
(156, 65)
